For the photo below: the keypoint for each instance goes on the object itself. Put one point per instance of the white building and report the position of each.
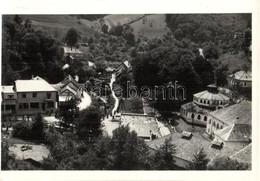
(204, 102)
(242, 78)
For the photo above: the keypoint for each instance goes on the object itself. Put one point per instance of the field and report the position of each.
(149, 26)
(58, 25)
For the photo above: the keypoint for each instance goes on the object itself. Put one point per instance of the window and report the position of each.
(198, 117)
(48, 95)
(34, 94)
(204, 101)
(34, 105)
(200, 101)
(24, 95)
(23, 106)
(192, 115)
(50, 104)
(217, 126)
(221, 127)
(210, 121)
(205, 118)
(214, 123)
(10, 96)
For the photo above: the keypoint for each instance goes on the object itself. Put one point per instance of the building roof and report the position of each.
(235, 132)
(242, 75)
(38, 85)
(72, 50)
(244, 155)
(192, 107)
(213, 153)
(143, 125)
(127, 64)
(185, 148)
(8, 89)
(239, 113)
(211, 96)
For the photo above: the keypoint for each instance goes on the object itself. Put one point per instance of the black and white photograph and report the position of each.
(127, 92)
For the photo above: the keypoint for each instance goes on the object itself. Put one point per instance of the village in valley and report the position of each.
(93, 92)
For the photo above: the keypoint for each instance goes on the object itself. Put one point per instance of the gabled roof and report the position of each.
(239, 113)
(235, 132)
(68, 88)
(68, 79)
(242, 75)
(127, 64)
(38, 85)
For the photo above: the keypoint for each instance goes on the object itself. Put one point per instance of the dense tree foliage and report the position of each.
(72, 37)
(27, 52)
(67, 113)
(163, 159)
(34, 130)
(89, 123)
(199, 161)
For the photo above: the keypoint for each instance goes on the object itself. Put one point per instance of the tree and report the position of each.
(67, 113)
(72, 37)
(38, 128)
(164, 156)
(89, 123)
(104, 28)
(22, 130)
(128, 152)
(199, 161)
(18, 20)
(226, 163)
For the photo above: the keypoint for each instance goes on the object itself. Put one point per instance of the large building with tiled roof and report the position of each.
(242, 78)
(186, 148)
(231, 125)
(237, 113)
(196, 112)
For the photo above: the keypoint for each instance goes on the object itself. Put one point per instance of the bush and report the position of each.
(22, 130)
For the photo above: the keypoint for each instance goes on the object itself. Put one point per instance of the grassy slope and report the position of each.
(58, 25)
(155, 25)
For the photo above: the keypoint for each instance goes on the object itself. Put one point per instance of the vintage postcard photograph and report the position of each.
(127, 92)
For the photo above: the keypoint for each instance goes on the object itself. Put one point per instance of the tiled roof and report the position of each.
(213, 153)
(7, 89)
(244, 155)
(242, 75)
(185, 148)
(235, 132)
(211, 96)
(39, 85)
(239, 113)
(196, 109)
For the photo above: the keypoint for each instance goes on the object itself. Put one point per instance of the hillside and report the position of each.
(58, 25)
(149, 26)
